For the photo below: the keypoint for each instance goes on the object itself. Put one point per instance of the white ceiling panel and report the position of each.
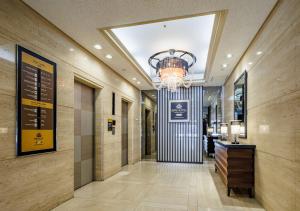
(188, 34)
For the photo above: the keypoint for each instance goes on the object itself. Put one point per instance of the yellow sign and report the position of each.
(27, 58)
(33, 140)
(37, 103)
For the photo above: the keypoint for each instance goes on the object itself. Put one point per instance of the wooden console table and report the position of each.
(235, 164)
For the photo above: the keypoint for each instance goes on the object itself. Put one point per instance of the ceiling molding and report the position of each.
(116, 43)
(215, 40)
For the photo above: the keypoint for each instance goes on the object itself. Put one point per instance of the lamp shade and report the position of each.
(224, 128)
(242, 129)
(235, 127)
(210, 130)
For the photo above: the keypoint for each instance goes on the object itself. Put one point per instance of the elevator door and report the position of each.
(124, 133)
(147, 132)
(84, 135)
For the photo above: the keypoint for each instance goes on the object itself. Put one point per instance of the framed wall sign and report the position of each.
(36, 106)
(179, 110)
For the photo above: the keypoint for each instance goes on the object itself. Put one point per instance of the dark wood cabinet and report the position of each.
(235, 165)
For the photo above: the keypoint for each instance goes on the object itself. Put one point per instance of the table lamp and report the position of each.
(210, 130)
(242, 129)
(235, 130)
(224, 131)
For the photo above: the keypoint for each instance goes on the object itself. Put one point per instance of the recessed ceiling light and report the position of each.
(97, 46)
(250, 63)
(153, 95)
(258, 52)
(229, 55)
(138, 82)
(224, 65)
(71, 49)
(108, 56)
(134, 79)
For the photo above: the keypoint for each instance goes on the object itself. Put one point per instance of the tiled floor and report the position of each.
(148, 186)
(151, 157)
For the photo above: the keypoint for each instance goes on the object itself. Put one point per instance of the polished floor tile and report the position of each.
(152, 186)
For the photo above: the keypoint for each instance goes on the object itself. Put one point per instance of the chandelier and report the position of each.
(171, 69)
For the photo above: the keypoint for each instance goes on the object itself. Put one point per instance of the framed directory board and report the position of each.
(36, 103)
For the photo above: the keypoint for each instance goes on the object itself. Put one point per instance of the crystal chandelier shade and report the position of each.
(171, 69)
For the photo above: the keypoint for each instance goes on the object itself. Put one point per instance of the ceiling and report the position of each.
(142, 41)
(85, 20)
(150, 94)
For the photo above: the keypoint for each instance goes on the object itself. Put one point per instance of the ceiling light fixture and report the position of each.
(224, 65)
(258, 52)
(229, 55)
(171, 69)
(97, 46)
(108, 56)
(71, 49)
(250, 63)
(138, 82)
(134, 79)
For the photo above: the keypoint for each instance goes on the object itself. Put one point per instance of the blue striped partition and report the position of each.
(180, 141)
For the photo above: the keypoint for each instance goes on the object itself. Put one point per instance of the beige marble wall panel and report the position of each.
(7, 67)
(275, 182)
(41, 182)
(273, 107)
(272, 126)
(26, 182)
(8, 127)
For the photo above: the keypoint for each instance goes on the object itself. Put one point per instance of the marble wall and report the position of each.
(274, 107)
(40, 182)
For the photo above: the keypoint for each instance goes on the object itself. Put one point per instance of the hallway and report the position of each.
(160, 186)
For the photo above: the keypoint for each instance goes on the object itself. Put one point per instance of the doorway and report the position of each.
(147, 132)
(124, 149)
(83, 135)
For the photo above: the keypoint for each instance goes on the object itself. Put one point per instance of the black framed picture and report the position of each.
(240, 103)
(179, 110)
(36, 103)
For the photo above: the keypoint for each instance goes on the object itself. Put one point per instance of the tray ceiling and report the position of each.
(84, 20)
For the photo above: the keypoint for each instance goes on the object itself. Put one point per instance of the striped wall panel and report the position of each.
(179, 141)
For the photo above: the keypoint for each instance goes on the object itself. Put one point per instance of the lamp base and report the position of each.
(235, 142)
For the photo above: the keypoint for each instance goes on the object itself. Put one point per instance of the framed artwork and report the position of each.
(36, 103)
(240, 102)
(179, 110)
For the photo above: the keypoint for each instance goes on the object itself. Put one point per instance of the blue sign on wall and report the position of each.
(179, 111)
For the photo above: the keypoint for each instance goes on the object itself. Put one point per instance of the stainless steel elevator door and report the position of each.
(83, 135)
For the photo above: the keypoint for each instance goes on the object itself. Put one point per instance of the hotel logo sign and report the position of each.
(178, 110)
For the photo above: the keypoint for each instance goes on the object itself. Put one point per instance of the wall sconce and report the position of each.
(235, 130)
(224, 131)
